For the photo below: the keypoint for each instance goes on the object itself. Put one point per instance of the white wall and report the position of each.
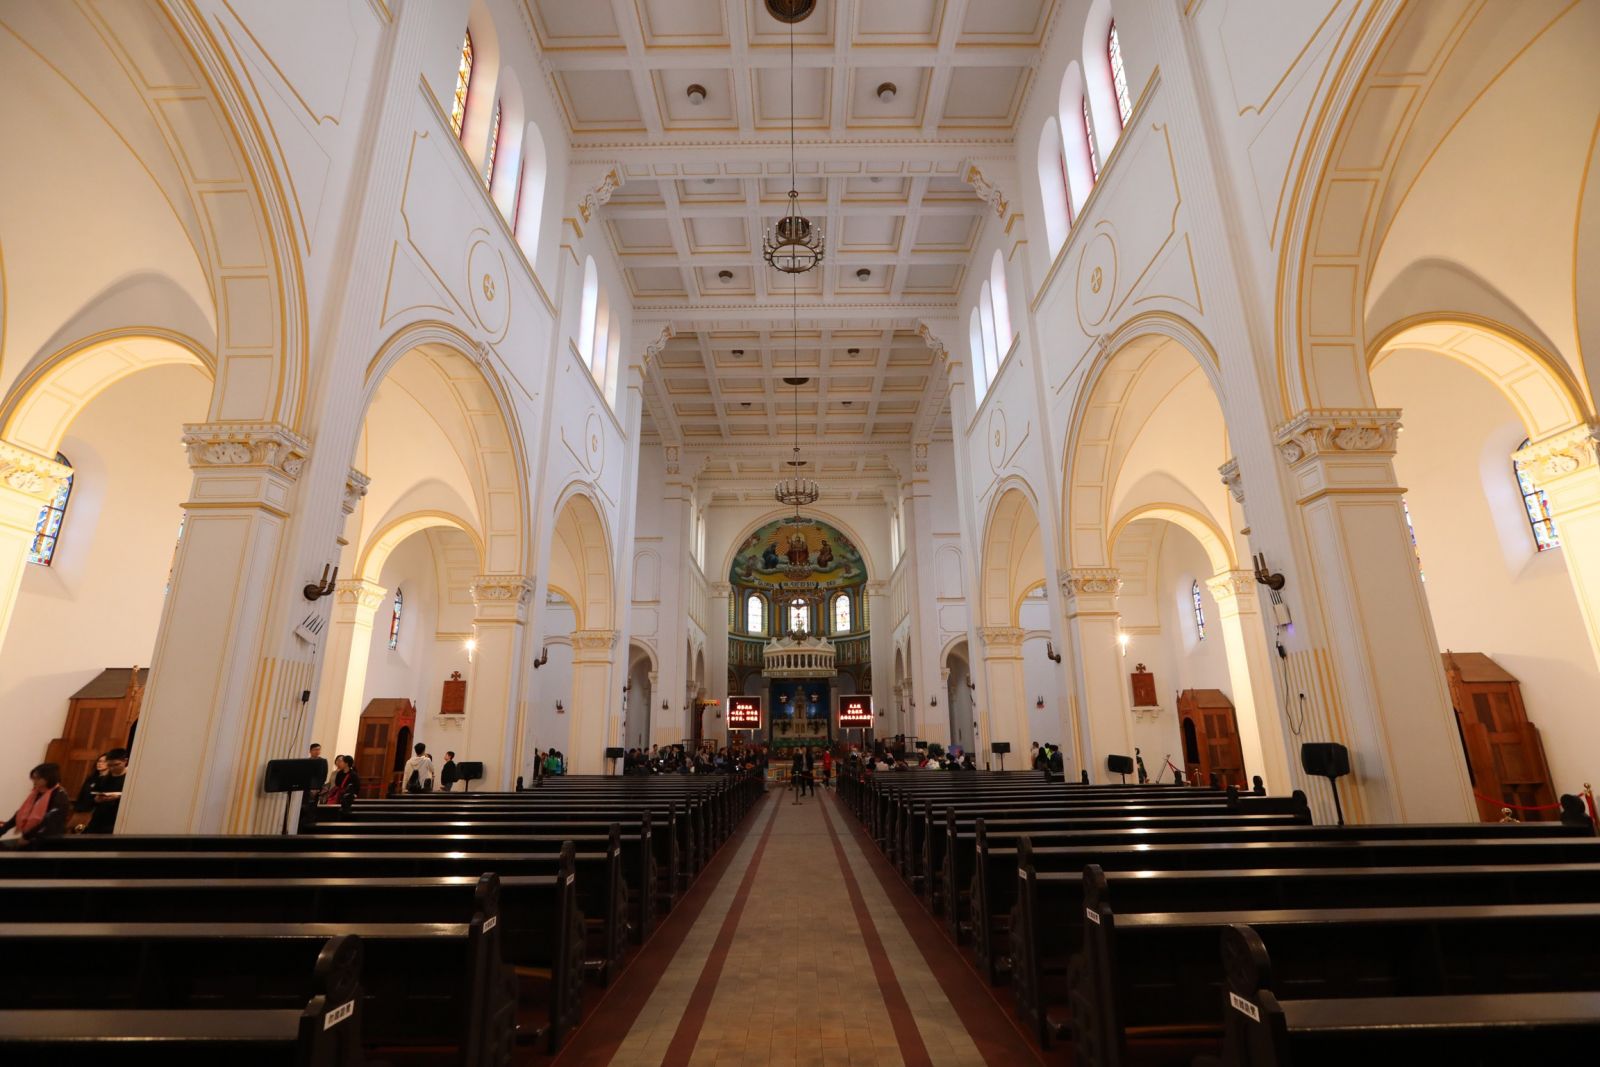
(1488, 588)
(546, 728)
(99, 603)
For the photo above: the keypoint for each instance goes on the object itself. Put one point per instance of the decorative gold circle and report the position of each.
(1095, 280)
(594, 441)
(997, 439)
(488, 287)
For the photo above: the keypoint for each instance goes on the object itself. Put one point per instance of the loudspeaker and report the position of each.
(999, 748)
(616, 753)
(1119, 764)
(295, 775)
(469, 771)
(1325, 759)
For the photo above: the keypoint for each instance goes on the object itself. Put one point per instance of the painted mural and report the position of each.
(796, 555)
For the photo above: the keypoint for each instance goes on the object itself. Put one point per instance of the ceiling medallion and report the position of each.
(791, 11)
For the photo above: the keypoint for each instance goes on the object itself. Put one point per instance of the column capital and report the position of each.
(232, 445)
(1333, 431)
(355, 487)
(1090, 590)
(27, 472)
(359, 593)
(1562, 453)
(721, 589)
(878, 587)
(1233, 479)
(1233, 588)
(593, 646)
(502, 597)
(1002, 638)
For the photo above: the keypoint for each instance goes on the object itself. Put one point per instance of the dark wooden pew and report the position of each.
(324, 1032)
(538, 923)
(1268, 1026)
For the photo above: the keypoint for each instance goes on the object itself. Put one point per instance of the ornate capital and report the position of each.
(1233, 479)
(1091, 581)
(937, 346)
(224, 445)
(877, 587)
(1330, 431)
(596, 198)
(592, 646)
(987, 190)
(355, 487)
(1561, 453)
(1002, 638)
(919, 457)
(721, 589)
(1228, 585)
(655, 348)
(502, 597)
(672, 454)
(27, 472)
(358, 593)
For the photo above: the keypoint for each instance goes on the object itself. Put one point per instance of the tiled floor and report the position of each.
(799, 947)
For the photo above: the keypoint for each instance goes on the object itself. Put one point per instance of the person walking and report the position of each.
(827, 768)
(447, 773)
(811, 772)
(43, 812)
(419, 771)
(797, 775)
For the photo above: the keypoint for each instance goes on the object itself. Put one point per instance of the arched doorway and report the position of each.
(580, 568)
(1012, 566)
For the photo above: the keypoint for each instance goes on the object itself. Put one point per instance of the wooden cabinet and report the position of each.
(383, 744)
(100, 716)
(1504, 753)
(1210, 738)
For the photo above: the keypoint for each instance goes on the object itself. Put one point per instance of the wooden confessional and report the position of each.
(1210, 738)
(1504, 753)
(383, 744)
(100, 716)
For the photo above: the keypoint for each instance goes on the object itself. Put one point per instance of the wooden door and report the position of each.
(1504, 753)
(1211, 738)
(383, 744)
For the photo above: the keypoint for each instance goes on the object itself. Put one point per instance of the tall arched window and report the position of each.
(608, 384)
(1119, 77)
(525, 216)
(755, 615)
(1088, 139)
(1053, 185)
(1199, 610)
(991, 352)
(394, 620)
(841, 613)
(1077, 155)
(1002, 304)
(1534, 502)
(586, 314)
(980, 378)
(458, 107)
(494, 148)
(47, 529)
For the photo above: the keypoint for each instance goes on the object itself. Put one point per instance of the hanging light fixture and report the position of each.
(794, 244)
(796, 490)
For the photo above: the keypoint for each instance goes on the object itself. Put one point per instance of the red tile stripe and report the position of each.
(694, 1013)
(912, 1050)
(597, 1038)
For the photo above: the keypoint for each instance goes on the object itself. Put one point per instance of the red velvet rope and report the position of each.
(1516, 807)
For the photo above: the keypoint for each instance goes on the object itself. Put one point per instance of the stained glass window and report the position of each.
(1199, 610)
(1534, 502)
(458, 108)
(47, 529)
(1405, 509)
(394, 620)
(755, 615)
(841, 613)
(1119, 77)
(494, 147)
(1088, 140)
(799, 617)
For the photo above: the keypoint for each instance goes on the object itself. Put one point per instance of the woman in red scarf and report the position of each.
(44, 810)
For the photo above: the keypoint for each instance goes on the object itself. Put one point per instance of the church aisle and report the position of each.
(803, 952)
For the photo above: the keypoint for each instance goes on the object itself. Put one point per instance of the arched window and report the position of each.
(1077, 154)
(494, 147)
(799, 616)
(1053, 186)
(1534, 502)
(1119, 77)
(1199, 610)
(586, 315)
(600, 345)
(980, 377)
(991, 352)
(458, 107)
(1002, 304)
(47, 529)
(394, 620)
(613, 359)
(529, 202)
(755, 615)
(841, 613)
(1089, 141)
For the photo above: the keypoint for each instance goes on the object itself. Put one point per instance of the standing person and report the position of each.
(419, 771)
(827, 768)
(43, 812)
(447, 773)
(811, 772)
(797, 775)
(107, 795)
(309, 799)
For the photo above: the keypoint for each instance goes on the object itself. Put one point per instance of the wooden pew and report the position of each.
(324, 1032)
(1264, 1029)
(538, 922)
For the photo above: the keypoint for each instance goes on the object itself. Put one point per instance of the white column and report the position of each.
(1250, 677)
(880, 641)
(716, 652)
(493, 726)
(1002, 703)
(592, 725)
(28, 481)
(224, 693)
(1387, 701)
(930, 722)
(1096, 624)
(348, 646)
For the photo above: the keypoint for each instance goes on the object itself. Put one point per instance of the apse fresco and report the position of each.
(797, 555)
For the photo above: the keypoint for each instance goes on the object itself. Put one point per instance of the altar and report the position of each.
(799, 672)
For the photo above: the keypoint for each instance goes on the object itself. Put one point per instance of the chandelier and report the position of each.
(794, 245)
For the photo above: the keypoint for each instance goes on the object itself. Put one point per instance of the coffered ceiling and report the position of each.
(702, 183)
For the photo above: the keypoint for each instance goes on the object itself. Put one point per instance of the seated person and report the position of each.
(107, 794)
(43, 812)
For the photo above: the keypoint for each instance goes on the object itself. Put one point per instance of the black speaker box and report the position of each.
(469, 771)
(999, 748)
(295, 775)
(616, 753)
(1325, 759)
(1119, 764)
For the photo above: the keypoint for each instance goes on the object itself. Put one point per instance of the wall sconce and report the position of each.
(933, 701)
(1051, 653)
(665, 706)
(544, 657)
(471, 645)
(1039, 702)
(315, 591)
(559, 709)
(1123, 639)
(971, 685)
(1264, 576)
